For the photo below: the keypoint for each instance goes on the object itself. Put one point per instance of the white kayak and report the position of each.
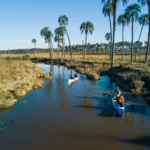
(73, 80)
(120, 110)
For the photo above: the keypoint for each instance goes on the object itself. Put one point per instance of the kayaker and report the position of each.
(75, 75)
(120, 100)
(71, 76)
(117, 93)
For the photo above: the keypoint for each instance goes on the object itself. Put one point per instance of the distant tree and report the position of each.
(86, 27)
(108, 37)
(123, 20)
(138, 43)
(63, 21)
(56, 39)
(114, 5)
(132, 12)
(147, 2)
(143, 21)
(108, 11)
(47, 34)
(59, 33)
(34, 42)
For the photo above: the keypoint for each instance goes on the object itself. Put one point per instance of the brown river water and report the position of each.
(59, 116)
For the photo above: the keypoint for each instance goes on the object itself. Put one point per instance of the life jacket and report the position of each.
(121, 100)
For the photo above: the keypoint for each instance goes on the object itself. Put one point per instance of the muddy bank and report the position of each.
(16, 79)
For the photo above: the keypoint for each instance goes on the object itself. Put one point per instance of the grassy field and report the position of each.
(137, 73)
(16, 79)
(90, 57)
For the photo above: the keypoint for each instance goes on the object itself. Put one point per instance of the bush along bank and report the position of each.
(17, 78)
(129, 79)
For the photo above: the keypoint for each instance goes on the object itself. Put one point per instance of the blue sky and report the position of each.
(22, 20)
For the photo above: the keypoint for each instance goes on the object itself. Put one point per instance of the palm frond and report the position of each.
(144, 19)
(123, 19)
(133, 11)
(87, 27)
(63, 20)
(143, 2)
(107, 9)
(34, 41)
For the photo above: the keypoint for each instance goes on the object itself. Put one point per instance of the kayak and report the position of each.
(73, 80)
(119, 109)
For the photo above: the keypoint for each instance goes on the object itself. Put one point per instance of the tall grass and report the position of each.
(16, 79)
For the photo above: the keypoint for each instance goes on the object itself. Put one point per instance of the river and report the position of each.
(74, 117)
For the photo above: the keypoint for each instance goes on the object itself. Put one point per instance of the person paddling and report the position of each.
(75, 75)
(118, 97)
(117, 93)
(71, 76)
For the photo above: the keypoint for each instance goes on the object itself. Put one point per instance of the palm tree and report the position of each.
(34, 41)
(133, 13)
(147, 2)
(107, 11)
(63, 21)
(56, 39)
(143, 20)
(123, 20)
(59, 33)
(47, 34)
(86, 27)
(114, 5)
(108, 37)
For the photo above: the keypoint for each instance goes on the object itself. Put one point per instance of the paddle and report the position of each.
(108, 94)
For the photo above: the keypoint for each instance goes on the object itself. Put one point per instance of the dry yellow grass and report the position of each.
(90, 57)
(16, 79)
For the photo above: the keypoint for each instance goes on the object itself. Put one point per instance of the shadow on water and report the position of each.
(92, 97)
(143, 141)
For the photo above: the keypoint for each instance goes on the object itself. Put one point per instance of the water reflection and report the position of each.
(64, 102)
(51, 70)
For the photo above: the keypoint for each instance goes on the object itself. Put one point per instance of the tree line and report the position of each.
(91, 48)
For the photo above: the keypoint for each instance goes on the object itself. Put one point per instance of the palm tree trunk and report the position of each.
(58, 49)
(69, 44)
(85, 47)
(63, 50)
(114, 31)
(132, 40)
(111, 37)
(49, 50)
(35, 50)
(123, 42)
(138, 41)
(148, 41)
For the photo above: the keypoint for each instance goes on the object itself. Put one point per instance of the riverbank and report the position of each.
(18, 77)
(130, 77)
(133, 77)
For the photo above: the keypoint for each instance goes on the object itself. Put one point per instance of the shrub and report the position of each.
(138, 85)
(26, 56)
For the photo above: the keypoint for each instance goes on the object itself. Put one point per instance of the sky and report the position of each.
(22, 20)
